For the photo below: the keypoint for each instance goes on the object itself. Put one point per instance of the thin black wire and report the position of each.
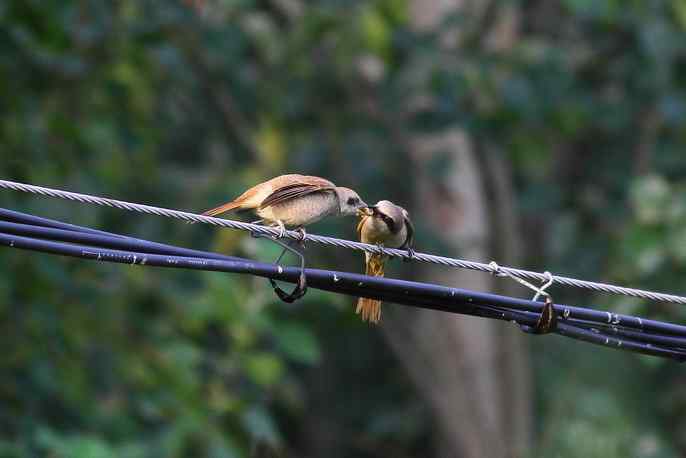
(601, 328)
(99, 238)
(348, 244)
(407, 288)
(620, 331)
(24, 218)
(439, 293)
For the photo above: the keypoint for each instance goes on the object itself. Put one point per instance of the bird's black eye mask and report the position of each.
(392, 226)
(389, 222)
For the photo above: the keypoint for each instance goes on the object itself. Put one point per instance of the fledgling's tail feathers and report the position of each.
(227, 207)
(370, 309)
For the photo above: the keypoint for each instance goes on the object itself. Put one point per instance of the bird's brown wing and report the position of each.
(293, 178)
(295, 190)
(409, 241)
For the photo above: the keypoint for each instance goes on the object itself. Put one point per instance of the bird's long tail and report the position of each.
(370, 309)
(223, 208)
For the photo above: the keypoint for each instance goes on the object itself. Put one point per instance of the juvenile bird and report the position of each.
(294, 201)
(388, 225)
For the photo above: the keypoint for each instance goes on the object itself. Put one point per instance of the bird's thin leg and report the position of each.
(277, 223)
(281, 235)
(282, 229)
(300, 242)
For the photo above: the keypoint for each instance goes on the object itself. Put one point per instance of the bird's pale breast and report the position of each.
(302, 211)
(376, 231)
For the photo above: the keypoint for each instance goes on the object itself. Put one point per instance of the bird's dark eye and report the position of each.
(390, 222)
(352, 200)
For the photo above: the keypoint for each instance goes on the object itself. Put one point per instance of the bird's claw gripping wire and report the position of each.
(410, 255)
(300, 288)
(282, 230)
(303, 236)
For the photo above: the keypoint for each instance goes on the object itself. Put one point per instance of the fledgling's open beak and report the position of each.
(366, 211)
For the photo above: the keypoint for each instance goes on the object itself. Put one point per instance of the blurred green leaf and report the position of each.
(650, 196)
(297, 342)
(583, 102)
(261, 426)
(81, 446)
(264, 368)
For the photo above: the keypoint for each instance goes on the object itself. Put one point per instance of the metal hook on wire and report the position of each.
(540, 291)
(547, 322)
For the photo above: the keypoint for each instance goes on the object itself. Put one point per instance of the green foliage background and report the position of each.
(149, 101)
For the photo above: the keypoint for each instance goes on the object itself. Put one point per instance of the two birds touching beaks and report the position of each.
(299, 200)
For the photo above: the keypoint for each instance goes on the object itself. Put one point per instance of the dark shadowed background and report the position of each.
(545, 134)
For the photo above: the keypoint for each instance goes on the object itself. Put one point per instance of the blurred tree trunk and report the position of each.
(474, 373)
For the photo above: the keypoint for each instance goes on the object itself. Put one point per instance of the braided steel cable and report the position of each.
(346, 244)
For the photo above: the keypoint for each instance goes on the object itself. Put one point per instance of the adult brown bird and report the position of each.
(294, 201)
(388, 225)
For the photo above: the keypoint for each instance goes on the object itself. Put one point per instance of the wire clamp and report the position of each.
(495, 269)
(547, 322)
(410, 256)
